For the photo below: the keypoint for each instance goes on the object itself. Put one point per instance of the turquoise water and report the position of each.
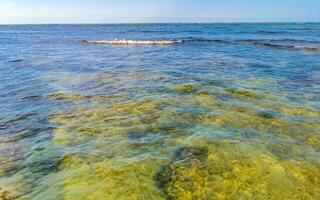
(160, 111)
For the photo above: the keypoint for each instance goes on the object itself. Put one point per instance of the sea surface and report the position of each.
(160, 111)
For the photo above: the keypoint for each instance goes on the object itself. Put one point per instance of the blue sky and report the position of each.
(122, 11)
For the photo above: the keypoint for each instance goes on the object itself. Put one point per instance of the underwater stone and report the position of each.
(218, 83)
(241, 109)
(194, 153)
(186, 88)
(16, 61)
(268, 114)
(206, 99)
(5, 195)
(10, 159)
(242, 94)
(68, 97)
(314, 141)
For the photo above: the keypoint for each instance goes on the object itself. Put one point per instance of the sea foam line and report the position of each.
(133, 42)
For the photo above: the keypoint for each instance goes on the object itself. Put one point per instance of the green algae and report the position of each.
(289, 109)
(185, 178)
(314, 140)
(109, 179)
(144, 116)
(235, 171)
(188, 144)
(244, 174)
(219, 174)
(251, 177)
(265, 120)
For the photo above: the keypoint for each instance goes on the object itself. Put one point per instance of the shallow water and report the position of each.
(219, 111)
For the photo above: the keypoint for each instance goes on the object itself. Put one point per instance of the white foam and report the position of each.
(135, 42)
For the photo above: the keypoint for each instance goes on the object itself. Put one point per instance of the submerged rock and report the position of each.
(242, 94)
(185, 178)
(191, 154)
(16, 61)
(268, 114)
(11, 158)
(185, 88)
(68, 97)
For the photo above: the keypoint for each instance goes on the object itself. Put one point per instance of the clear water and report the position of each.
(231, 111)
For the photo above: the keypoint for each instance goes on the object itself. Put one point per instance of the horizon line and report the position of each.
(114, 23)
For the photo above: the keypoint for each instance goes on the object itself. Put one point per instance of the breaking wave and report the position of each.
(155, 42)
(133, 42)
(261, 42)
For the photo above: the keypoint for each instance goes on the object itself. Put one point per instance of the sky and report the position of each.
(148, 11)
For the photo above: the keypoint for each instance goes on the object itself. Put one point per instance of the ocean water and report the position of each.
(160, 111)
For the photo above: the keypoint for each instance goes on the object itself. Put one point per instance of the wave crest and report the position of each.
(261, 42)
(134, 42)
(269, 43)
